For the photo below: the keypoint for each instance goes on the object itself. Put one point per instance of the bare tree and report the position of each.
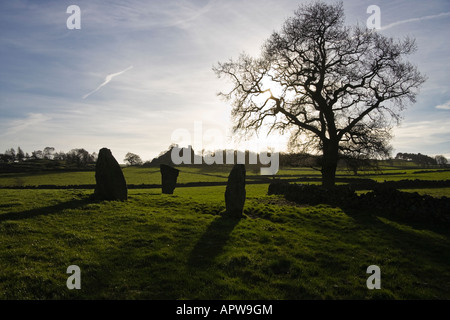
(48, 153)
(441, 160)
(334, 88)
(60, 156)
(20, 154)
(9, 155)
(133, 159)
(37, 154)
(80, 157)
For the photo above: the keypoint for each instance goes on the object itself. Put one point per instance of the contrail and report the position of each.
(414, 20)
(107, 80)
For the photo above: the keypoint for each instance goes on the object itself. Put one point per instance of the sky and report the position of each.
(137, 76)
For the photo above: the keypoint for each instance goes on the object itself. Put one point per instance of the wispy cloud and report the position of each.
(429, 137)
(444, 106)
(19, 125)
(444, 14)
(174, 85)
(107, 80)
(184, 16)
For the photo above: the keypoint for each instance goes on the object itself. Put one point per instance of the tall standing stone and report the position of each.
(110, 181)
(235, 191)
(169, 177)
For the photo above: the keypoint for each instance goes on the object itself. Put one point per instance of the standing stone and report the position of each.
(235, 191)
(169, 177)
(110, 182)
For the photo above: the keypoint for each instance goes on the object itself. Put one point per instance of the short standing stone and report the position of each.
(235, 191)
(110, 181)
(169, 177)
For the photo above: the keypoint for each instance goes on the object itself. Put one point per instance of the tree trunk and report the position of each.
(329, 164)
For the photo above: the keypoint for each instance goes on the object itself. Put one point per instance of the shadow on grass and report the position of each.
(407, 235)
(371, 217)
(211, 243)
(43, 211)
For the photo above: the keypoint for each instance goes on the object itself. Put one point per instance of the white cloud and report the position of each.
(428, 137)
(444, 106)
(19, 125)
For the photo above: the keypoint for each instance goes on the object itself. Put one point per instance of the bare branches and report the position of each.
(336, 85)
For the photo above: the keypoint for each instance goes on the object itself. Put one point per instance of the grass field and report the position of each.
(138, 175)
(157, 246)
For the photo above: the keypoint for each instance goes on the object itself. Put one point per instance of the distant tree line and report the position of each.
(286, 159)
(81, 158)
(422, 159)
(353, 163)
(76, 157)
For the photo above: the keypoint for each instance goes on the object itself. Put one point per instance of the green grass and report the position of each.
(396, 175)
(143, 175)
(157, 246)
(133, 175)
(47, 178)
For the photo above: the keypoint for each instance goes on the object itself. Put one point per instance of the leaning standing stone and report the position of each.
(235, 191)
(110, 181)
(169, 177)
